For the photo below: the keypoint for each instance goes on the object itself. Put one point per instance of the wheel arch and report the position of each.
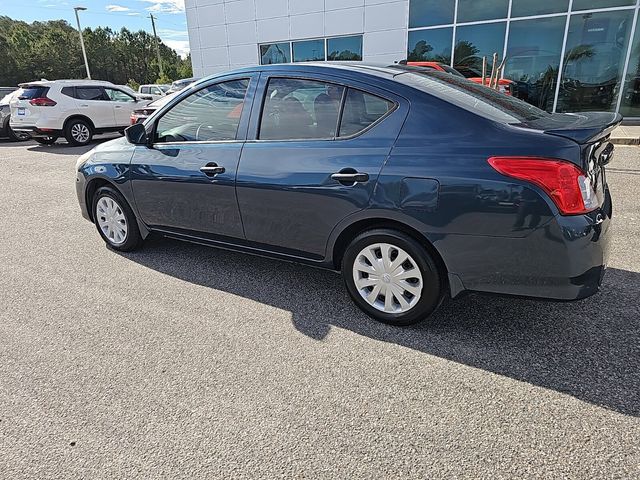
(347, 235)
(78, 117)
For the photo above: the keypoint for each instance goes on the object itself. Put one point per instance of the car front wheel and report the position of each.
(115, 220)
(78, 133)
(391, 277)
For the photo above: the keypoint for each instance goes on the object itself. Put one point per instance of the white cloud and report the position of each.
(180, 46)
(166, 6)
(117, 8)
(177, 34)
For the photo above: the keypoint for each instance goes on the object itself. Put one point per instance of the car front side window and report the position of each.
(118, 96)
(210, 114)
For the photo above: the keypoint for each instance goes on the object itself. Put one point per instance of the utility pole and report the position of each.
(153, 24)
(84, 52)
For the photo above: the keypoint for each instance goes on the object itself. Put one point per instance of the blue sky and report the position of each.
(134, 14)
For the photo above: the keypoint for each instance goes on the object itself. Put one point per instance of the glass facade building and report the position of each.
(563, 55)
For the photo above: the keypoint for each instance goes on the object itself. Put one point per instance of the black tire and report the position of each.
(430, 293)
(46, 140)
(15, 136)
(132, 239)
(78, 132)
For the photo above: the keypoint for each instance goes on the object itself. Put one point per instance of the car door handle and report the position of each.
(344, 177)
(212, 169)
(118, 106)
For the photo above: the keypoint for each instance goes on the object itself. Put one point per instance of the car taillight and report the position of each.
(567, 185)
(42, 102)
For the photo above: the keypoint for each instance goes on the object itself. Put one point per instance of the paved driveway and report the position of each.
(180, 361)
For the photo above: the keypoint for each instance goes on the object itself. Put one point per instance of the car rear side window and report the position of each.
(68, 91)
(361, 110)
(299, 109)
(30, 92)
(90, 93)
(210, 114)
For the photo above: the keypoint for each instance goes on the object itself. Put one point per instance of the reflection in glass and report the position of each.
(275, 53)
(430, 45)
(344, 48)
(533, 59)
(474, 10)
(589, 4)
(475, 41)
(524, 8)
(308, 51)
(630, 105)
(594, 59)
(426, 13)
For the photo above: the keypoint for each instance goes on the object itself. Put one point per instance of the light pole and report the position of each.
(84, 52)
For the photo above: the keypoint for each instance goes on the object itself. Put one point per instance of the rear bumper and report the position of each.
(37, 132)
(563, 260)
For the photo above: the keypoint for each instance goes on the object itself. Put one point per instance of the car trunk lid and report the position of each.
(22, 111)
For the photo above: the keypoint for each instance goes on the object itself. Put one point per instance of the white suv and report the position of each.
(75, 109)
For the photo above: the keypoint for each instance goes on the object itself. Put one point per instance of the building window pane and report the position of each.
(275, 53)
(630, 106)
(533, 58)
(300, 110)
(430, 45)
(476, 41)
(344, 48)
(589, 4)
(308, 51)
(474, 10)
(425, 13)
(524, 8)
(594, 59)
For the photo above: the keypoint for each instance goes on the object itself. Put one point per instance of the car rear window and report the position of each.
(90, 93)
(478, 99)
(30, 92)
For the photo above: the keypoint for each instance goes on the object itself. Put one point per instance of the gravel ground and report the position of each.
(180, 361)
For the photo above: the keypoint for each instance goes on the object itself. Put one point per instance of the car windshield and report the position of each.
(475, 98)
(164, 88)
(7, 98)
(450, 70)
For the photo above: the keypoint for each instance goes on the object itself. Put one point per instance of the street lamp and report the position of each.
(84, 52)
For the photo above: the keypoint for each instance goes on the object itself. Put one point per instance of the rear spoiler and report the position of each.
(587, 127)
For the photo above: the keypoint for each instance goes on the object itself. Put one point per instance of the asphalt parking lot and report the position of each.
(180, 361)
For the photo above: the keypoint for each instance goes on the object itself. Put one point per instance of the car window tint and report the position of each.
(118, 96)
(27, 93)
(68, 91)
(362, 110)
(89, 93)
(144, 89)
(210, 114)
(297, 109)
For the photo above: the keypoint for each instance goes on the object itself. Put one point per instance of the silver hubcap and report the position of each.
(80, 132)
(387, 278)
(111, 220)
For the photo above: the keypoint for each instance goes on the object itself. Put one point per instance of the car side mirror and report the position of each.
(137, 134)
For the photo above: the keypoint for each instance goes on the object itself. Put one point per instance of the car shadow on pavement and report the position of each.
(61, 147)
(588, 349)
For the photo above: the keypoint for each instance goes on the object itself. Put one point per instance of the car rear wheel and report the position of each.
(78, 132)
(391, 277)
(46, 140)
(115, 220)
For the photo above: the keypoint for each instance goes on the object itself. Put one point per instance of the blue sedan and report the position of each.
(415, 184)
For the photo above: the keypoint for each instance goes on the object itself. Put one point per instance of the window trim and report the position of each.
(346, 87)
(154, 124)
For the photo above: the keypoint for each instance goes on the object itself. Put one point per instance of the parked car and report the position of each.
(505, 85)
(416, 184)
(4, 91)
(153, 92)
(75, 109)
(5, 116)
(180, 84)
(139, 115)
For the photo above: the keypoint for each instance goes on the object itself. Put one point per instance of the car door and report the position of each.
(93, 102)
(185, 181)
(301, 173)
(123, 106)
